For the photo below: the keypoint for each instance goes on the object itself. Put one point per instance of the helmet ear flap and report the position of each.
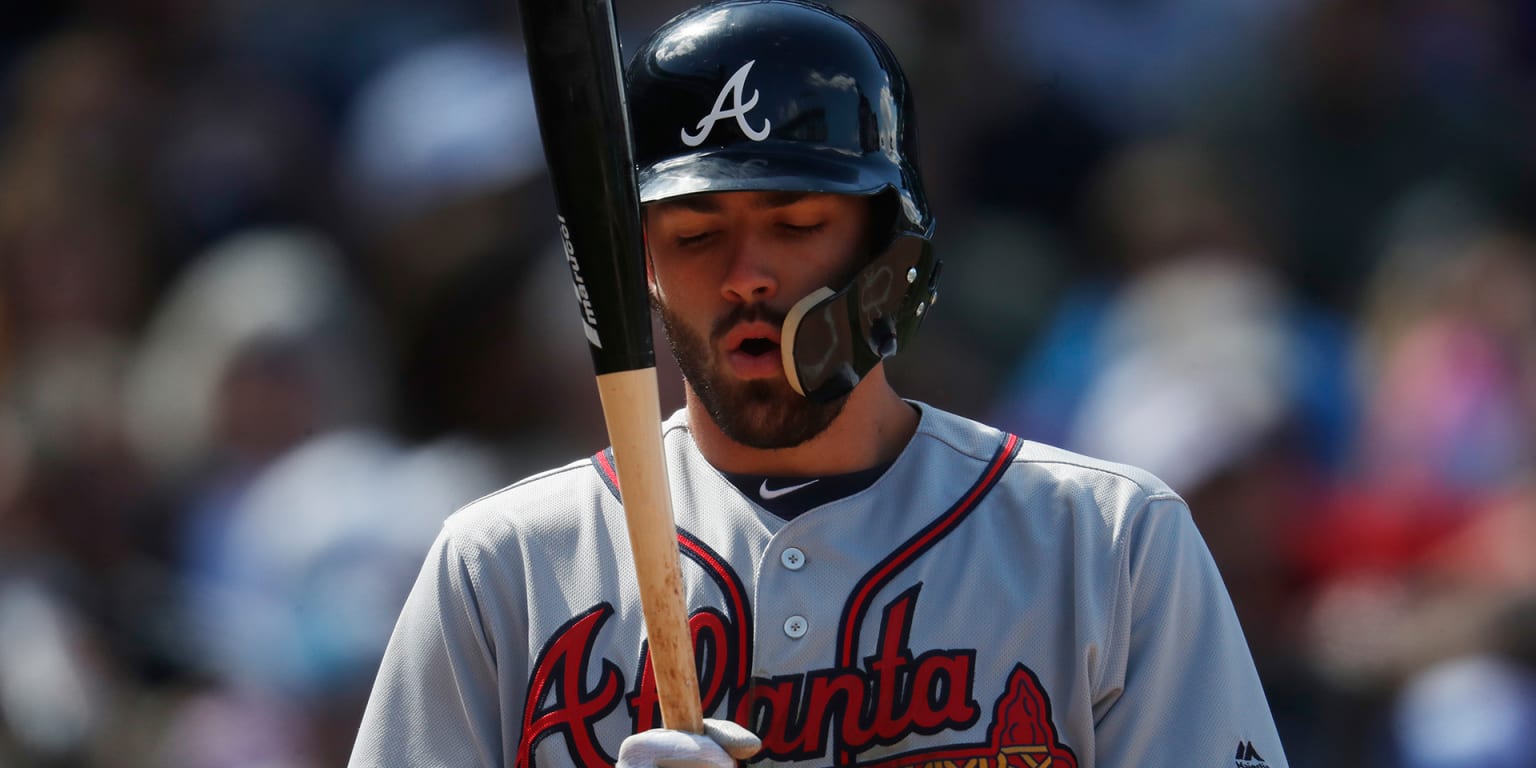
(832, 339)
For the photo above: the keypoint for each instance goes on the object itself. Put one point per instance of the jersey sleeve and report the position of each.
(435, 700)
(1188, 693)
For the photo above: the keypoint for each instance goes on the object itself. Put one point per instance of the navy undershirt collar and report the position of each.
(789, 497)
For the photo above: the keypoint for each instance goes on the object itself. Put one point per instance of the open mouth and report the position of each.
(757, 347)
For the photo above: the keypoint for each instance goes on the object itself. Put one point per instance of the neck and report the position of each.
(873, 428)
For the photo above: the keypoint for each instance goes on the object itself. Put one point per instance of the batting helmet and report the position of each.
(787, 95)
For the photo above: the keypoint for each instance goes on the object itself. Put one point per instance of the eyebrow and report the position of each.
(708, 203)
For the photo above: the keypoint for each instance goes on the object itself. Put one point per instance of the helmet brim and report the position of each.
(762, 167)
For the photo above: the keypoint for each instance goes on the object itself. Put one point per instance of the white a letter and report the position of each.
(738, 110)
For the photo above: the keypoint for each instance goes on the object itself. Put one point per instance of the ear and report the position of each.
(650, 282)
(650, 271)
(650, 266)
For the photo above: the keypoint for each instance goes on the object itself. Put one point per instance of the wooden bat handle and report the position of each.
(631, 406)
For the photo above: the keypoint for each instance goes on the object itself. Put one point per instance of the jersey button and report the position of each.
(795, 627)
(792, 558)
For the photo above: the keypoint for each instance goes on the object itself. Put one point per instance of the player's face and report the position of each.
(725, 269)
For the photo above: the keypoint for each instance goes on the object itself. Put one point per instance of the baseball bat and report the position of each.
(573, 63)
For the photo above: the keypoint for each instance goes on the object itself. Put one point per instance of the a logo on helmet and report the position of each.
(733, 88)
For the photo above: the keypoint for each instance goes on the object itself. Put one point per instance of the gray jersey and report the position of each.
(987, 602)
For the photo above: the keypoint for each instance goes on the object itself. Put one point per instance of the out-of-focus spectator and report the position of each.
(1476, 712)
(1477, 708)
(299, 522)
(73, 229)
(1139, 68)
(235, 151)
(52, 698)
(1195, 361)
(1448, 445)
(324, 52)
(448, 121)
(1413, 559)
(457, 228)
(261, 342)
(76, 583)
(78, 587)
(1451, 361)
(291, 600)
(1193, 304)
(1357, 109)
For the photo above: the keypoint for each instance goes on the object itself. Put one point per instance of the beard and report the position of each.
(758, 413)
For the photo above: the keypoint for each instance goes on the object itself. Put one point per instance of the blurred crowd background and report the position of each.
(278, 293)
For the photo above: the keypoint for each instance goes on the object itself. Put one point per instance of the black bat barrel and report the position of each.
(573, 61)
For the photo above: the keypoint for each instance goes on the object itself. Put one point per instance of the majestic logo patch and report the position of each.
(733, 88)
(1248, 757)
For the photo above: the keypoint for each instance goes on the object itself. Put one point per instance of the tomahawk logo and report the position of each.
(1248, 757)
(733, 88)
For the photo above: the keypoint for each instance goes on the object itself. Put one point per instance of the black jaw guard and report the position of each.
(831, 339)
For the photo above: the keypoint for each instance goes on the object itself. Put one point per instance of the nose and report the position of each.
(750, 276)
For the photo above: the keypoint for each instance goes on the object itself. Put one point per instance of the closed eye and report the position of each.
(684, 241)
(802, 229)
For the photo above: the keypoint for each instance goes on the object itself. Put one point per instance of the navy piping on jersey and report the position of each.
(602, 461)
(735, 594)
(713, 564)
(911, 549)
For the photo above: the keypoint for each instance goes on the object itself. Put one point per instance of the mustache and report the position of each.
(746, 314)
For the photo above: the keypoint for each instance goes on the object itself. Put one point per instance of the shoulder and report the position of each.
(1066, 467)
(966, 437)
(1046, 474)
(553, 498)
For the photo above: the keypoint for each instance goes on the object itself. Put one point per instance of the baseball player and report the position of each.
(871, 581)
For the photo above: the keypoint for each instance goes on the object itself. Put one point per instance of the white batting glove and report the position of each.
(722, 744)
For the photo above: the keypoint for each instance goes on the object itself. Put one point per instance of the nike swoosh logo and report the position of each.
(773, 493)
